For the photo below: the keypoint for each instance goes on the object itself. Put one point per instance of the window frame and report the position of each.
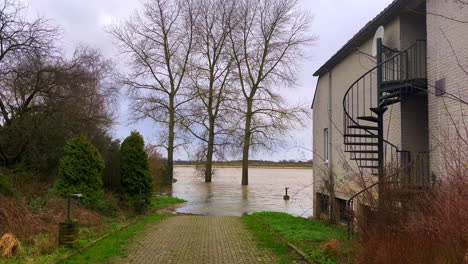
(326, 141)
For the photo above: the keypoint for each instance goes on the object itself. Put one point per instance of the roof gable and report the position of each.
(365, 33)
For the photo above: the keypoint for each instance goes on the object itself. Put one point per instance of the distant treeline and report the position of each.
(254, 163)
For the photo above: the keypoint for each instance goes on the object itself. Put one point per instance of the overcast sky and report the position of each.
(335, 22)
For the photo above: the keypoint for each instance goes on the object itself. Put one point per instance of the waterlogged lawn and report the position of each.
(274, 230)
(113, 245)
(162, 202)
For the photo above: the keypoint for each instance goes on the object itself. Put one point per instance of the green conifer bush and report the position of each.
(80, 171)
(134, 170)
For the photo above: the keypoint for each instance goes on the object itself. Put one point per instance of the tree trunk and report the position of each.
(170, 160)
(170, 148)
(209, 157)
(246, 148)
(211, 132)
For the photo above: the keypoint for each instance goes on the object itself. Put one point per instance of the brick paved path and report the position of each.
(198, 240)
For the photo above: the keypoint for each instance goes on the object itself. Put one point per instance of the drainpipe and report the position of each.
(331, 198)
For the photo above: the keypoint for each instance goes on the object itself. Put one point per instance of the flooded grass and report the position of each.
(162, 202)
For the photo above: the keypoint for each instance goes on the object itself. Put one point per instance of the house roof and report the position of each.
(367, 31)
(315, 92)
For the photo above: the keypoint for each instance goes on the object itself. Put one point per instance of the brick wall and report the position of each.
(443, 63)
(413, 27)
(414, 121)
(414, 124)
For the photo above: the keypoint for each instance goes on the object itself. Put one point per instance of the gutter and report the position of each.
(330, 123)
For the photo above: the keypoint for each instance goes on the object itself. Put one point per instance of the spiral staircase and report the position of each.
(397, 75)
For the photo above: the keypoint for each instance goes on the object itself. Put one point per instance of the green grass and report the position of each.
(32, 253)
(268, 239)
(113, 245)
(274, 230)
(103, 250)
(62, 252)
(162, 202)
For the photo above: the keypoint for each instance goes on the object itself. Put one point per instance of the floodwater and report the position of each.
(226, 196)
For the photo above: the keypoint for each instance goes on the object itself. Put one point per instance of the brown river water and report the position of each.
(226, 196)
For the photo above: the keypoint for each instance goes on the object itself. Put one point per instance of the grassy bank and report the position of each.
(113, 245)
(118, 232)
(275, 230)
(43, 249)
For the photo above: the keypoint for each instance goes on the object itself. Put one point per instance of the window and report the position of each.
(343, 210)
(325, 145)
(322, 203)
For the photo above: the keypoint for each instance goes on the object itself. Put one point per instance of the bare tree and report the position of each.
(160, 41)
(267, 41)
(87, 90)
(208, 118)
(48, 99)
(20, 40)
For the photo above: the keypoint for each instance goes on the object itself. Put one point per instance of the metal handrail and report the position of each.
(348, 102)
(349, 119)
(363, 76)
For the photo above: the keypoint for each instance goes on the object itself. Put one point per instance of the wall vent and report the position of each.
(440, 87)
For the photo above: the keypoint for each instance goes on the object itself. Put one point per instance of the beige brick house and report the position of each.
(396, 108)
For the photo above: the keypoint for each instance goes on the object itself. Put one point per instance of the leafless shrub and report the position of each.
(421, 226)
(157, 166)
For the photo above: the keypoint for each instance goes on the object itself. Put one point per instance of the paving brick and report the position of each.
(198, 240)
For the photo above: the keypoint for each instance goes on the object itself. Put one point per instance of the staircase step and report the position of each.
(392, 83)
(364, 127)
(363, 151)
(394, 87)
(388, 102)
(362, 135)
(370, 159)
(361, 143)
(378, 110)
(404, 85)
(390, 95)
(369, 118)
(369, 167)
